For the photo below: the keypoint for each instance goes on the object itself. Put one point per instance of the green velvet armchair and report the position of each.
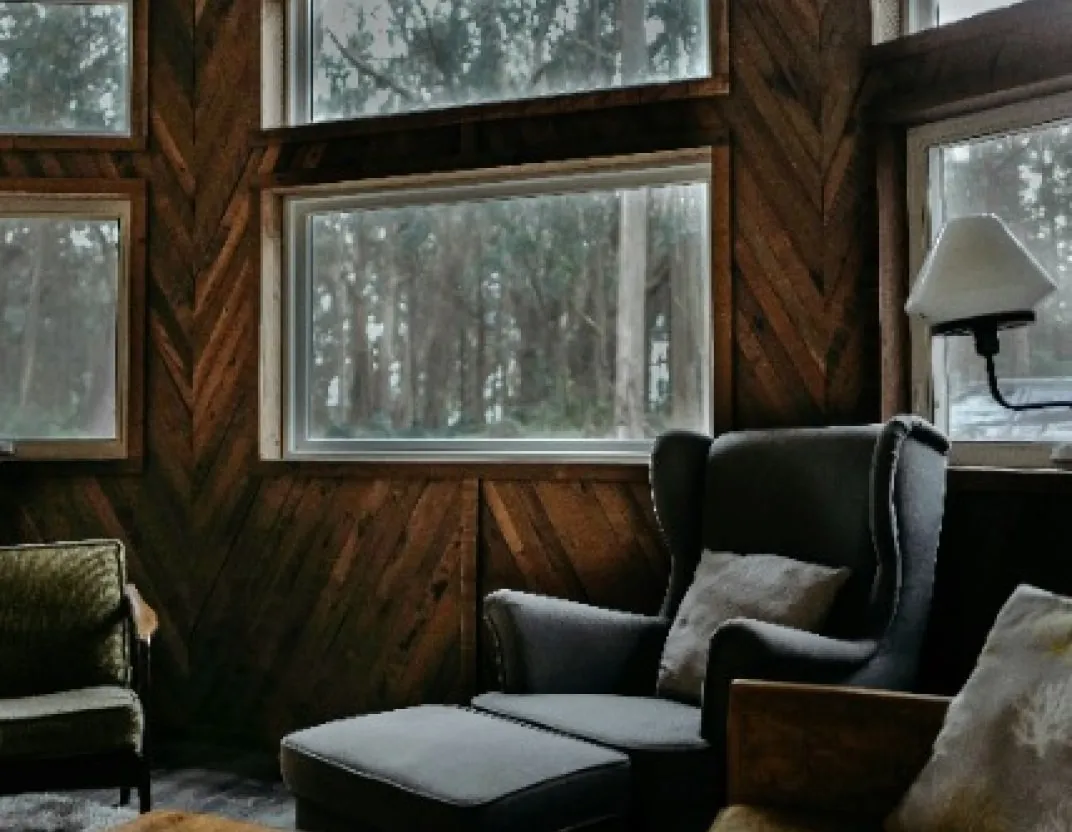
(74, 670)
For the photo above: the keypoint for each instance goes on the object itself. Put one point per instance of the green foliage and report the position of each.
(57, 327)
(64, 67)
(495, 318)
(386, 56)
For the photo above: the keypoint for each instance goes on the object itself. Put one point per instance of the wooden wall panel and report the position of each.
(288, 598)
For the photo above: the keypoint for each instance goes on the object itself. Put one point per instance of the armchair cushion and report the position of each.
(771, 588)
(628, 723)
(1003, 757)
(69, 724)
(63, 618)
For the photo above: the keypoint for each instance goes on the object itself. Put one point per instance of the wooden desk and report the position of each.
(186, 822)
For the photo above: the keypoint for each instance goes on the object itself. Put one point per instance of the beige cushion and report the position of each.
(67, 724)
(1002, 761)
(757, 819)
(767, 588)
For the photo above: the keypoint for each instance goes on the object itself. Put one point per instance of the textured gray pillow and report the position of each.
(763, 587)
(1003, 759)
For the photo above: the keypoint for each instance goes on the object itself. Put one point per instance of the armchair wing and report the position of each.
(549, 645)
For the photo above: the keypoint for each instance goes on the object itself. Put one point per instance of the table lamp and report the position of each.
(979, 279)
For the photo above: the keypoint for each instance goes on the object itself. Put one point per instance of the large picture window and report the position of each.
(555, 311)
(1016, 163)
(66, 68)
(65, 324)
(357, 58)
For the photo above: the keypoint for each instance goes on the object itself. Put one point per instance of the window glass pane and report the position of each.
(64, 68)
(58, 303)
(511, 318)
(374, 57)
(1026, 179)
(950, 11)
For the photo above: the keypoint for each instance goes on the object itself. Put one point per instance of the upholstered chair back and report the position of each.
(63, 618)
(867, 497)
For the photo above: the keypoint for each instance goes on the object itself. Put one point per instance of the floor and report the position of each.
(217, 782)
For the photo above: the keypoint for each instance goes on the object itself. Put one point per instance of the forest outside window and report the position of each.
(547, 315)
(350, 59)
(1017, 163)
(66, 68)
(64, 325)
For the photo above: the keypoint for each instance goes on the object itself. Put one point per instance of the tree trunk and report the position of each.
(687, 310)
(630, 360)
(33, 316)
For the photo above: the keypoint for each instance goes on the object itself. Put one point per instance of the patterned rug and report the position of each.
(59, 813)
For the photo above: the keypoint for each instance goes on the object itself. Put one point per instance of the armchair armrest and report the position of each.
(145, 620)
(827, 750)
(743, 648)
(550, 645)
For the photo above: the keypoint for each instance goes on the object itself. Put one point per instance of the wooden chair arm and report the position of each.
(146, 622)
(824, 749)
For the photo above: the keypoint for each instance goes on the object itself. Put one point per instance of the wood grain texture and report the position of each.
(822, 749)
(999, 58)
(289, 594)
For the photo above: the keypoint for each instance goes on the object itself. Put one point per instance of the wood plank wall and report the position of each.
(288, 597)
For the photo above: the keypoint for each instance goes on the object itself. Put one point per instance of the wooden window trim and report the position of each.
(1001, 57)
(126, 453)
(275, 78)
(272, 352)
(139, 104)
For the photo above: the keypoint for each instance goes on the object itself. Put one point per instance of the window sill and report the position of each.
(30, 466)
(109, 144)
(1020, 480)
(703, 88)
(618, 471)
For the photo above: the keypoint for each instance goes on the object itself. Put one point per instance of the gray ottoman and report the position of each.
(450, 770)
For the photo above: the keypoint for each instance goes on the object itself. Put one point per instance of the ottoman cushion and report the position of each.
(447, 768)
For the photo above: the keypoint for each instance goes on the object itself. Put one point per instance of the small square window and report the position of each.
(65, 324)
(66, 68)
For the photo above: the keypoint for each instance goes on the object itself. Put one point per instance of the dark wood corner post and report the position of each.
(893, 269)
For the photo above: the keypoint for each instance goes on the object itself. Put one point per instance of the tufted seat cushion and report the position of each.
(70, 723)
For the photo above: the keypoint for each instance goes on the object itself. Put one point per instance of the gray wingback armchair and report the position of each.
(867, 497)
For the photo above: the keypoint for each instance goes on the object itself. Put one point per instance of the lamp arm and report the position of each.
(992, 381)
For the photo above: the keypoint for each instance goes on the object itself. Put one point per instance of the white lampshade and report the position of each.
(977, 268)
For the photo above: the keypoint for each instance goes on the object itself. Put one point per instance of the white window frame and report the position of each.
(87, 207)
(280, 328)
(929, 393)
(286, 66)
(923, 14)
(132, 70)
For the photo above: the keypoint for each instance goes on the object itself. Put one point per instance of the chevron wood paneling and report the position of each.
(287, 597)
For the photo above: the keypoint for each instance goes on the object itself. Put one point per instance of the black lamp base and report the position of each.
(984, 330)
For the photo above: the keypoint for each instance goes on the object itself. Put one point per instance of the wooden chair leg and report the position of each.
(124, 796)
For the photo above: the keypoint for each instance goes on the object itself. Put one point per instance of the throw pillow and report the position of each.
(769, 588)
(1003, 758)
